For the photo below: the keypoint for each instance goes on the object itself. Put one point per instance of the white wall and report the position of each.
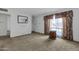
(33, 23)
(20, 29)
(15, 28)
(8, 22)
(76, 25)
(39, 23)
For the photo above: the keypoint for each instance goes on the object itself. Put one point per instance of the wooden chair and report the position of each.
(52, 35)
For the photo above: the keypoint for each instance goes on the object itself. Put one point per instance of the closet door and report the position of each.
(3, 25)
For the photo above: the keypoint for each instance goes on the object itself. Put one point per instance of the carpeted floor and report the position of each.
(36, 42)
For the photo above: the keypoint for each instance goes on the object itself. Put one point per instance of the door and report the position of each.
(3, 25)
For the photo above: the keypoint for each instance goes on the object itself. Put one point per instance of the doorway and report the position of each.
(56, 24)
(4, 25)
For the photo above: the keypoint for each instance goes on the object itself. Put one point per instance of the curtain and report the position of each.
(67, 23)
(60, 15)
(47, 23)
(64, 27)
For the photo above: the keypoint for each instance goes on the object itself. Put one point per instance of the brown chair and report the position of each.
(52, 35)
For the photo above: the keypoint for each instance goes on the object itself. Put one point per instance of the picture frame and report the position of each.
(22, 19)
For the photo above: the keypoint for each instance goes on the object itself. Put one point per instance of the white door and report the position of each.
(3, 25)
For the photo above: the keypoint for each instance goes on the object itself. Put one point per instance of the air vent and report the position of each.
(3, 9)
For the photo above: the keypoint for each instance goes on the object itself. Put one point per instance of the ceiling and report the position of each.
(37, 11)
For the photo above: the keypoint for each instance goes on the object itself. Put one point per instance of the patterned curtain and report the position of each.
(64, 27)
(69, 25)
(47, 23)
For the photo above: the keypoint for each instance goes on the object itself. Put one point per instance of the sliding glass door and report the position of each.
(57, 25)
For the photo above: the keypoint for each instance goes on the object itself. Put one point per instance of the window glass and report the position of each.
(56, 25)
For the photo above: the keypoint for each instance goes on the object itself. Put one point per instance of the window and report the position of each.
(57, 25)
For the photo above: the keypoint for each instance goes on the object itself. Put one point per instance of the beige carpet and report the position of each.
(36, 42)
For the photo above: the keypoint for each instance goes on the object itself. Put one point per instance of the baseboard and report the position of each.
(38, 32)
(76, 41)
(5, 36)
(20, 35)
